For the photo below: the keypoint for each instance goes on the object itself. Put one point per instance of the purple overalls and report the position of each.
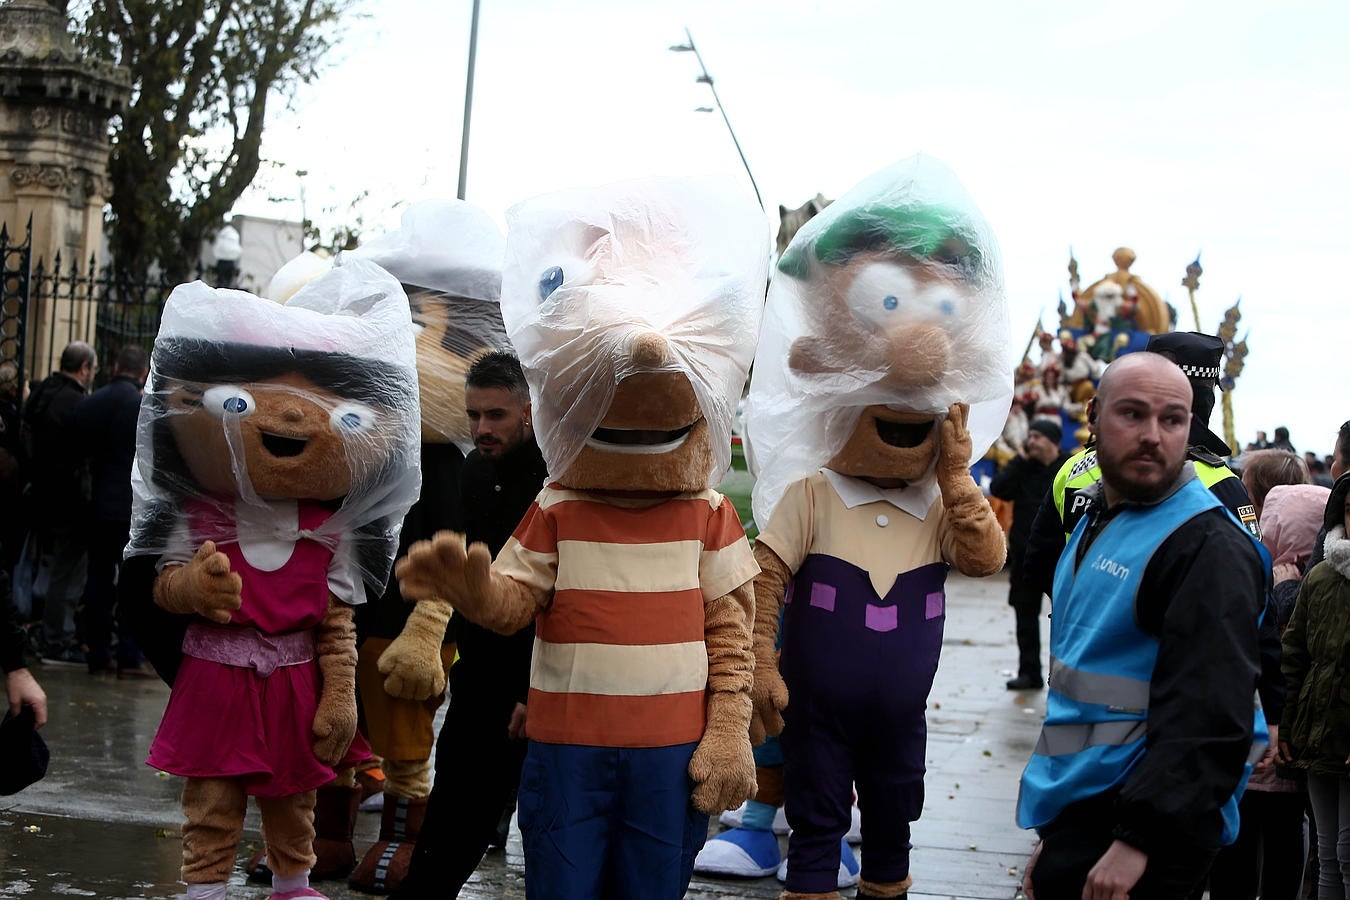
(858, 669)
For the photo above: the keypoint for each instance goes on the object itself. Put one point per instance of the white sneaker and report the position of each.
(848, 867)
(735, 818)
(854, 835)
(373, 803)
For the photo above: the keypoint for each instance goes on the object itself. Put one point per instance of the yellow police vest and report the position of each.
(1081, 470)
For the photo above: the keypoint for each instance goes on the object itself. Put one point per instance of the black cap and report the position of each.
(1199, 355)
(23, 753)
(1050, 428)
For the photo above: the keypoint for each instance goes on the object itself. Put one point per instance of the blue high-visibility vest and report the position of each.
(1101, 664)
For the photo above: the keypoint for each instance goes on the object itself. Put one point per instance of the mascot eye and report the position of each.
(891, 302)
(550, 282)
(226, 400)
(352, 418)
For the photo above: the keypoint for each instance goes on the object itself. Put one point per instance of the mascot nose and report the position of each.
(649, 351)
(919, 356)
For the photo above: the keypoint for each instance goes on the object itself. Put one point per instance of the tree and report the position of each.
(188, 144)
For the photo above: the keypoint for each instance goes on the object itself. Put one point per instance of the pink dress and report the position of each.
(244, 721)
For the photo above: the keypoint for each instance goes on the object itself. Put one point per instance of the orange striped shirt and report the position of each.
(619, 658)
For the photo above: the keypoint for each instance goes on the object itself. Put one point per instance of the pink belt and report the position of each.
(248, 648)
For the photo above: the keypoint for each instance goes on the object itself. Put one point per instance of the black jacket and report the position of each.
(1025, 482)
(495, 494)
(1200, 596)
(58, 490)
(436, 509)
(105, 423)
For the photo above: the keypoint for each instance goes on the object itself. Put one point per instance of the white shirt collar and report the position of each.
(915, 499)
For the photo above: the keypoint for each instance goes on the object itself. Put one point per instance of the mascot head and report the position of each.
(885, 309)
(250, 402)
(634, 309)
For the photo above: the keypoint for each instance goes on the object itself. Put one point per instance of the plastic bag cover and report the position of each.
(903, 254)
(588, 271)
(216, 361)
(448, 256)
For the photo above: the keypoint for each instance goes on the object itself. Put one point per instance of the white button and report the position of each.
(497, 488)
(883, 521)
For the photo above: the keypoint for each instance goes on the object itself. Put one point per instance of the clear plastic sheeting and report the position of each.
(443, 245)
(590, 272)
(254, 409)
(448, 256)
(892, 295)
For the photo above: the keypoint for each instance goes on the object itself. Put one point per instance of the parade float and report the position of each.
(1113, 315)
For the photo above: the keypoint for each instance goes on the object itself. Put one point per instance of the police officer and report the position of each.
(1199, 356)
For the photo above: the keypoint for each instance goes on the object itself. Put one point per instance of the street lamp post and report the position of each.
(301, 174)
(705, 78)
(227, 248)
(468, 105)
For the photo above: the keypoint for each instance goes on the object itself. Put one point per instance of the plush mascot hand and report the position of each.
(442, 568)
(768, 693)
(205, 586)
(335, 719)
(723, 767)
(953, 471)
(979, 545)
(412, 661)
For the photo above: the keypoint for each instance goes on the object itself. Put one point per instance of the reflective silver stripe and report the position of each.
(1062, 740)
(1116, 692)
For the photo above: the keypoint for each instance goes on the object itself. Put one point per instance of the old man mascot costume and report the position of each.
(882, 372)
(634, 309)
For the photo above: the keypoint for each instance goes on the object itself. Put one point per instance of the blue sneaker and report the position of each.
(741, 853)
(848, 867)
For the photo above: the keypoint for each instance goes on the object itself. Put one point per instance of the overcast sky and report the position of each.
(1169, 127)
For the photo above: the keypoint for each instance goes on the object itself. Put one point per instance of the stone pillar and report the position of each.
(54, 146)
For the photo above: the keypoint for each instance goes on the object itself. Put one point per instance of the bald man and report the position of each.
(1149, 723)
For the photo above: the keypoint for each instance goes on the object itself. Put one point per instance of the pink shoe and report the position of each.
(296, 894)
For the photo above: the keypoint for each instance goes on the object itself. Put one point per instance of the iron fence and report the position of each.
(42, 310)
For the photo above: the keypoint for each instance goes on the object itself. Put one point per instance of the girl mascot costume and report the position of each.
(277, 455)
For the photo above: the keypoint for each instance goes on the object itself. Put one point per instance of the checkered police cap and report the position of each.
(1198, 355)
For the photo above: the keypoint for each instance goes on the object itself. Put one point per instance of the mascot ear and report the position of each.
(814, 356)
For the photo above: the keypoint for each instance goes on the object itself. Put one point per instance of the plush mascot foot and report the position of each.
(386, 863)
(886, 890)
(793, 895)
(740, 853)
(848, 870)
(296, 894)
(334, 824)
(734, 818)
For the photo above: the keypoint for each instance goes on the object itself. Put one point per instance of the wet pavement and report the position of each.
(103, 824)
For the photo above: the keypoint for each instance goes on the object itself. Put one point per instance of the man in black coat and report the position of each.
(58, 496)
(105, 423)
(1025, 480)
(482, 744)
